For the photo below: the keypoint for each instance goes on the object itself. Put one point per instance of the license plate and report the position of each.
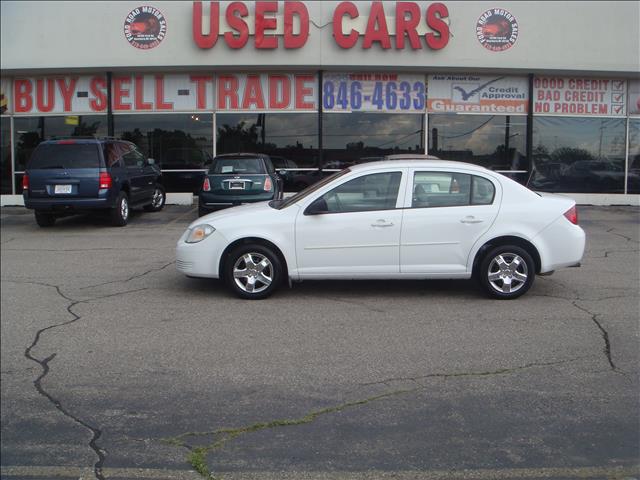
(63, 189)
(236, 185)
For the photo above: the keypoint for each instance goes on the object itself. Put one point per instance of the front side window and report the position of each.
(378, 191)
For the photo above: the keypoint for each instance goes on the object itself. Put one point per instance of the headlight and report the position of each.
(199, 233)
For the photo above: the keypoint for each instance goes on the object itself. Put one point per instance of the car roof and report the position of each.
(231, 156)
(67, 140)
(418, 161)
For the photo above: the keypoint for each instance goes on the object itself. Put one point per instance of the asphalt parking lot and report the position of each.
(116, 366)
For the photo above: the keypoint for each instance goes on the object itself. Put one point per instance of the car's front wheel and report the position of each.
(45, 219)
(506, 272)
(120, 212)
(158, 199)
(253, 271)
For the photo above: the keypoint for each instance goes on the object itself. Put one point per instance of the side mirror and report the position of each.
(318, 207)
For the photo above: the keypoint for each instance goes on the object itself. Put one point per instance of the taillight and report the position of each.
(25, 182)
(572, 215)
(206, 185)
(104, 181)
(268, 184)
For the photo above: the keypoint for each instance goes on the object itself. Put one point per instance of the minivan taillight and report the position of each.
(572, 215)
(25, 182)
(268, 184)
(104, 180)
(206, 185)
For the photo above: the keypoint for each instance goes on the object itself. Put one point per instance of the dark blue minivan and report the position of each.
(79, 175)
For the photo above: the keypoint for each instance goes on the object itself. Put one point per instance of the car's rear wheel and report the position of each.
(120, 212)
(253, 271)
(158, 200)
(506, 272)
(45, 219)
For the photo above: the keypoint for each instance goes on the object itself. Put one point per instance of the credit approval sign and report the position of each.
(478, 94)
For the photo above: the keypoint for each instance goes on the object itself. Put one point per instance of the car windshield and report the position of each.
(280, 204)
(67, 156)
(228, 166)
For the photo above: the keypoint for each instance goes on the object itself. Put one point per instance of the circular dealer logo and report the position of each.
(145, 27)
(497, 30)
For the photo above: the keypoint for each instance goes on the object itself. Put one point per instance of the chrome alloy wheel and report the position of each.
(124, 208)
(156, 202)
(507, 273)
(253, 272)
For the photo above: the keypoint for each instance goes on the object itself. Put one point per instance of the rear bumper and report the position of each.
(216, 202)
(68, 205)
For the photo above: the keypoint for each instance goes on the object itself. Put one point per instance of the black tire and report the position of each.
(506, 272)
(271, 270)
(158, 200)
(45, 219)
(120, 212)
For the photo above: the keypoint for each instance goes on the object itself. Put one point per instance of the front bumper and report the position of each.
(200, 259)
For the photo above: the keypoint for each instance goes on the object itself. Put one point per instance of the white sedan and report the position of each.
(398, 219)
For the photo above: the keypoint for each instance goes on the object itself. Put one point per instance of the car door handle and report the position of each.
(382, 224)
(471, 219)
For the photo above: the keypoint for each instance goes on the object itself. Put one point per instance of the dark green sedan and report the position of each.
(239, 178)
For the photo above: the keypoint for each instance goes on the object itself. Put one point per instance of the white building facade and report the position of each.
(547, 93)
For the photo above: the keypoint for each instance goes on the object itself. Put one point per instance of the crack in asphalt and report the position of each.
(628, 239)
(44, 364)
(501, 371)
(133, 277)
(604, 333)
(221, 436)
(609, 252)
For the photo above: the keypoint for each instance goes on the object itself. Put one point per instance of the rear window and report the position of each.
(237, 165)
(78, 155)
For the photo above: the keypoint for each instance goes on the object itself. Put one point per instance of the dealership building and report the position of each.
(547, 93)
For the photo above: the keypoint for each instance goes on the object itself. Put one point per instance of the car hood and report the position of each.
(240, 213)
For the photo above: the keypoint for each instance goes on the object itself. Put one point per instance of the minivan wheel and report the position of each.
(120, 212)
(45, 219)
(253, 271)
(507, 272)
(158, 200)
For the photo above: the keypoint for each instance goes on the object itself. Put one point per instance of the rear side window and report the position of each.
(237, 165)
(67, 156)
(483, 191)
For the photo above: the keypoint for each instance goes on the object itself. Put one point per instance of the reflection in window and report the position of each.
(633, 181)
(578, 155)
(32, 130)
(378, 191)
(350, 138)
(5, 156)
(290, 138)
(497, 142)
(175, 141)
(440, 189)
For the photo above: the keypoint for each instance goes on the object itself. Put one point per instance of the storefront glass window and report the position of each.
(290, 138)
(30, 131)
(585, 155)
(633, 182)
(497, 142)
(5, 156)
(350, 138)
(176, 141)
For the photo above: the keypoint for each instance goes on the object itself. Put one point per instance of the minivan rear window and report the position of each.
(66, 156)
